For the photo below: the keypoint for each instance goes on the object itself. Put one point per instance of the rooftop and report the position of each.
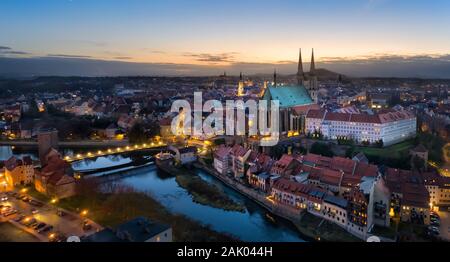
(139, 229)
(289, 95)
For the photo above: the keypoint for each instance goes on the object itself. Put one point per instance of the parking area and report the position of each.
(44, 221)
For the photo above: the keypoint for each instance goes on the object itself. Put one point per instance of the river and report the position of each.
(252, 225)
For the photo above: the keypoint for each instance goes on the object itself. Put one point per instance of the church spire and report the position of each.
(275, 77)
(300, 73)
(312, 71)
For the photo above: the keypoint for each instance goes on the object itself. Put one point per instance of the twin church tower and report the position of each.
(305, 80)
(307, 83)
(310, 80)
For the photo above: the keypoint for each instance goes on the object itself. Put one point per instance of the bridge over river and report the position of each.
(151, 147)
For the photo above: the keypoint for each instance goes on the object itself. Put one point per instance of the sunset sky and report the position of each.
(223, 33)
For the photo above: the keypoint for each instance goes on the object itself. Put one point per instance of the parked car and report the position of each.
(32, 225)
(21, 197)
(28, 221)
(26, 199)
(434, 214)
(61, 213)
(10, 213)
(5, 208)
(87, 226)
(56, 237)
(34, 211)
(435, 220)
(4, 198)
(433, 229)
(45, 229)
(39, 226)
(36, 203)
(435, 223)
(19, 218)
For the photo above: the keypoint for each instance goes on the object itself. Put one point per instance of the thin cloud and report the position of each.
(385, 58)
(213, 58)
(68, 56)
(123, 57)
(6, 50)
(15, 53)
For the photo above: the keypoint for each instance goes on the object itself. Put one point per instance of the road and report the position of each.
(445, 225)
(70, 225)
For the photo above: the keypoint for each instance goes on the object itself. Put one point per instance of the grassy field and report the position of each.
(394, 151)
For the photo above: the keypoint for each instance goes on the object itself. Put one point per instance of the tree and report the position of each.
(219, 141)
(379, 143)
(277, 151)
(136, 134)
(349, 152)
(321, 149)
(418, 163)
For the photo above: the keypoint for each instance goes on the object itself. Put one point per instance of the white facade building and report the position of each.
(390, 127)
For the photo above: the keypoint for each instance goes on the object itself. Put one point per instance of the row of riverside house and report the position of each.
(351, 193)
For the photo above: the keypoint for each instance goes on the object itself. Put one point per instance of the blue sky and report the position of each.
(223, 32)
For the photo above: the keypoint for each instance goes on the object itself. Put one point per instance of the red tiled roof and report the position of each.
(415, 195)
(363, 169)
(337, 116)
(315, 113)
(222, 152)
(395, 116)
(238, 150)
(365, 118)
(410, 185)
(330, 177)
(304, 109)
(344, 164)
(292, 187)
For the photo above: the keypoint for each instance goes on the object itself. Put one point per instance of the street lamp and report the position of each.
(54, 200)
(84, 212)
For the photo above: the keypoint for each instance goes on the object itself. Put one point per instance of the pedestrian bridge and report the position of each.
(115, 151)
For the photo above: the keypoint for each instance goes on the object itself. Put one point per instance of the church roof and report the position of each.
(289, 95)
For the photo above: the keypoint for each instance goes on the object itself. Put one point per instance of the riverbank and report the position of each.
(307, 224)
(323, 230)
(206, 194)
(123, 203)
